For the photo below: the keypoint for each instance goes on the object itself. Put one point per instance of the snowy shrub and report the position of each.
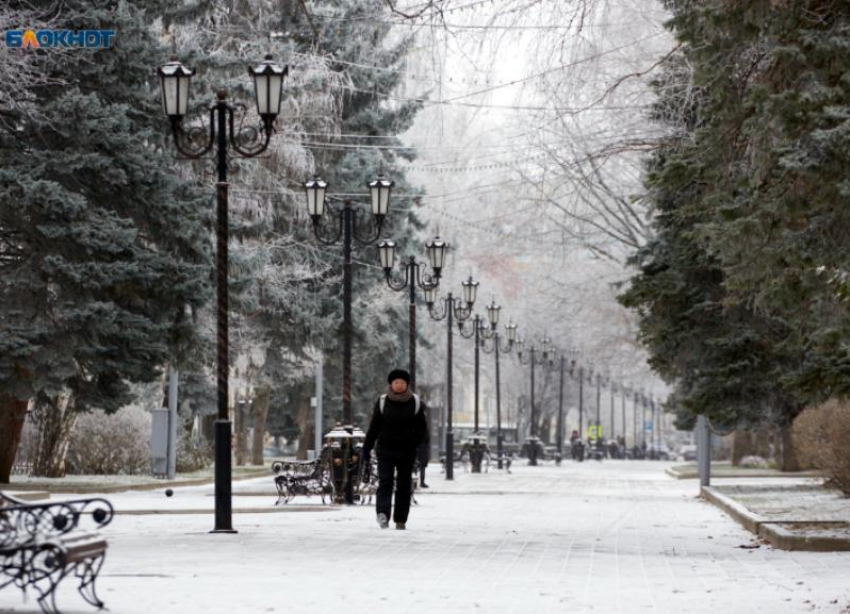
(117, 444)
(822, 436)
(193, 455)
(753, 462)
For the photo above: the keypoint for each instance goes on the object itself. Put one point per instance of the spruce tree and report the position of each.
(761, 166)
(104, 250)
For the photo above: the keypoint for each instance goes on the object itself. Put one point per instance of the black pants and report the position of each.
(388, 466)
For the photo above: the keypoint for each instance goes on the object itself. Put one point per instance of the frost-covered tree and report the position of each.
(102, 248)
(286, 288)
(751, 190)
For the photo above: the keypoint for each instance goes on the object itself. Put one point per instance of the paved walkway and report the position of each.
(613, 537)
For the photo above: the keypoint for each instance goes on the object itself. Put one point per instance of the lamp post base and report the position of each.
(345, 462)
(476, 456)
(476, 452)
(532, 449)
(223, 474)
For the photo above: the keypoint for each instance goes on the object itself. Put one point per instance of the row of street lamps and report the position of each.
(226, 140)
(485, 334)
(415, 275)
(547, 357)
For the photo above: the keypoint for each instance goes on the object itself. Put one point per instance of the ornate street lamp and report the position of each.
(476, 453)
(625, 391)
(347, 229)
(565, 358)
(494, 347)
(612, 388)
(656, 431)
(532, 442)
(194, 143)
(414, 276)
(559, 440)
(598, 407)
(451, 308)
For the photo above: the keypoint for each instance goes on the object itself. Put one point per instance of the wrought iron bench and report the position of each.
(492, 460)
(368, 483)
(457, 456)
(42, 543)
(293, 478)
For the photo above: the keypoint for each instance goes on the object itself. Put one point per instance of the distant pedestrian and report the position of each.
(575, 444)
(398, 427)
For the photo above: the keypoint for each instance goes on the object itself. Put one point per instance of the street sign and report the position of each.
(648, 426)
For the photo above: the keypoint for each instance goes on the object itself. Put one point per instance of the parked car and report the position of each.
(688, 452)
(658, 452)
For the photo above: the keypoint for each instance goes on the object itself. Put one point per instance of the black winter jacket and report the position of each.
(399, 429)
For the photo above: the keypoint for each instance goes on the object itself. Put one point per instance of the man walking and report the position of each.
(398, 427)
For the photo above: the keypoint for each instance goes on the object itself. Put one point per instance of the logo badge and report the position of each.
(62, 39)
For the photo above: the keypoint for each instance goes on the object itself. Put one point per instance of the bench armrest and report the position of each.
(22, 522)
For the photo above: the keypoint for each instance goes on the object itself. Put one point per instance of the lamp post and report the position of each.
(553, 359)
(612, 388)
(561, 360)
(561, 416)
(652, 427)
(624, 391)
(451, 307)
(194, 143)
(414, 276)
(581, 403)
(656, 428)
(476, 455)
(634, 421)
(532, 442)
(349, 233)
(577, 448)
(598, 404)
(495, 348)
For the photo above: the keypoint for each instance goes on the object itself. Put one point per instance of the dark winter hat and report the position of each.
(398, 374)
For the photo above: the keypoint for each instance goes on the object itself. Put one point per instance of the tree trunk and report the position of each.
(303, 420)
(56, 419)
(741, 446)
(241, 434)
(262, 401)
(185, 418)
(762, 442)
(13, 414)
(788, 460)
(545, 429)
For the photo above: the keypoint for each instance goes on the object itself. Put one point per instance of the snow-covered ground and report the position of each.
(612, 537)
(784, 503)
